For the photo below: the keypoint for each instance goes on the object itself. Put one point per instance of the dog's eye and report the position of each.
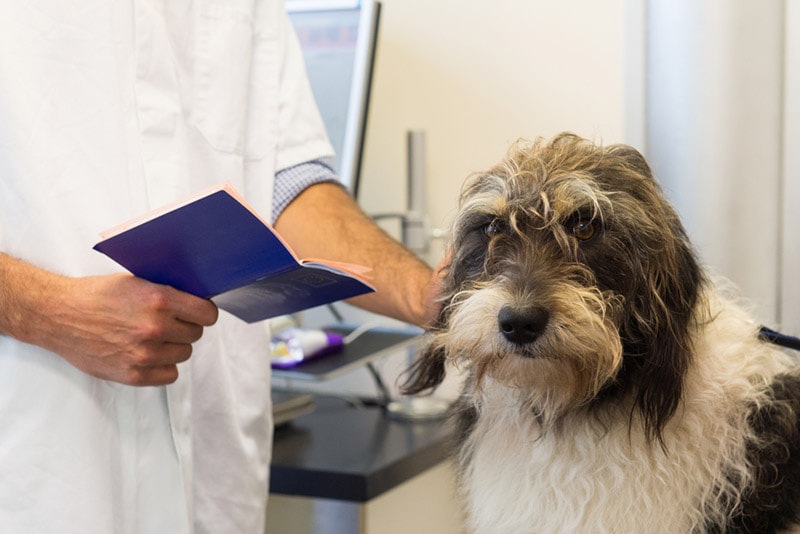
(584, 230)
(494, 228)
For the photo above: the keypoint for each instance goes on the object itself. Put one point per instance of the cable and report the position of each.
(777, 338)
(363, 329)
(336, 314)
(383, 392)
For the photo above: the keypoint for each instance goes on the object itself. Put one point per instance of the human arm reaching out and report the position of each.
(324, 221)
(116, 327)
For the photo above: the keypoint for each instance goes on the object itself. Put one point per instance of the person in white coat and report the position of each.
(126, 406)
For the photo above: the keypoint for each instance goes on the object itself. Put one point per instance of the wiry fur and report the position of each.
(643, 398)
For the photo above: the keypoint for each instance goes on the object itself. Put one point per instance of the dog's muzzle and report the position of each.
(522, 325)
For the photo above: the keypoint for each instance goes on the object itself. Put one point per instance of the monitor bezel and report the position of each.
(354, 139)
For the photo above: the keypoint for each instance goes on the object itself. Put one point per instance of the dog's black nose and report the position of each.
(522, 325)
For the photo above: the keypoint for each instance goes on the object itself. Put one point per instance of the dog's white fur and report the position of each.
(591, 478)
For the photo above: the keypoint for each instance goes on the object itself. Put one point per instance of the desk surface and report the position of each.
(352, 454)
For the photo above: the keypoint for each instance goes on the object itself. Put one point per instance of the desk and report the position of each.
(349, 470)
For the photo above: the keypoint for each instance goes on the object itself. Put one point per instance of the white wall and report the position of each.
(714, 136)
(720, 91)
(477, 75)
(789, 294)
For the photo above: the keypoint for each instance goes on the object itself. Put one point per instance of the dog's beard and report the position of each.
(565, 367)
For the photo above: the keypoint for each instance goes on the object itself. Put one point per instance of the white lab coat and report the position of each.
(109, 109)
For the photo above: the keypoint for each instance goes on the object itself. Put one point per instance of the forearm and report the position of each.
(325, 222)
(26, 293)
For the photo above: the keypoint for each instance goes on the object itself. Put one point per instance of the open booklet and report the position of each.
(214, 245)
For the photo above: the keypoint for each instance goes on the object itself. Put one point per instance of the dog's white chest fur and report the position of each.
(581, 480)
(585, 479)
(593, 477)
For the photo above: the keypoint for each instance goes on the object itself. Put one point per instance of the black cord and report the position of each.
(338, 317)
(777, 338)
(383, 392)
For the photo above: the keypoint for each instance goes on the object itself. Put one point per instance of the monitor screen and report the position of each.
(338, 39)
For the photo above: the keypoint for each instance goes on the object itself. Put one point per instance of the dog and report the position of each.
(611, 384)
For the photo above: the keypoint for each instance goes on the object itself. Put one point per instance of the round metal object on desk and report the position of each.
(418, 408)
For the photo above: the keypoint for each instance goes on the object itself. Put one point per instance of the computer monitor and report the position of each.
(338, 38)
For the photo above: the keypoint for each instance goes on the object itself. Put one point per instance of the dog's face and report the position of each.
(570, 280)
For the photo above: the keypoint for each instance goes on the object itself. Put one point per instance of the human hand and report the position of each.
(123, 328)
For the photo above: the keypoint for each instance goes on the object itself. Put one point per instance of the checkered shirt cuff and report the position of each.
(292, 181)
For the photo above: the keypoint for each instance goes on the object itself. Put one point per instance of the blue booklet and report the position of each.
(215, 246)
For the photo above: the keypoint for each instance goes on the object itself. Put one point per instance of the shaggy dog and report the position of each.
(611, 386)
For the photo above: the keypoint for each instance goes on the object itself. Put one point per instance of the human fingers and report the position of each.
(191, 309)
(127, 330)
(149, 376)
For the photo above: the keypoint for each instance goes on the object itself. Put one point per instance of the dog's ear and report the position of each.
(659, 341)
(427, 372)
(633, 159)
(662, 297)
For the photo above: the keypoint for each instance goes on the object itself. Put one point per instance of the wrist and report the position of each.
(26, 293)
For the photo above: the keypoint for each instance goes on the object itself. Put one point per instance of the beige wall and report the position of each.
(477, 75)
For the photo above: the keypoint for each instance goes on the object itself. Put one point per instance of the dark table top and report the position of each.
(344, 452)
